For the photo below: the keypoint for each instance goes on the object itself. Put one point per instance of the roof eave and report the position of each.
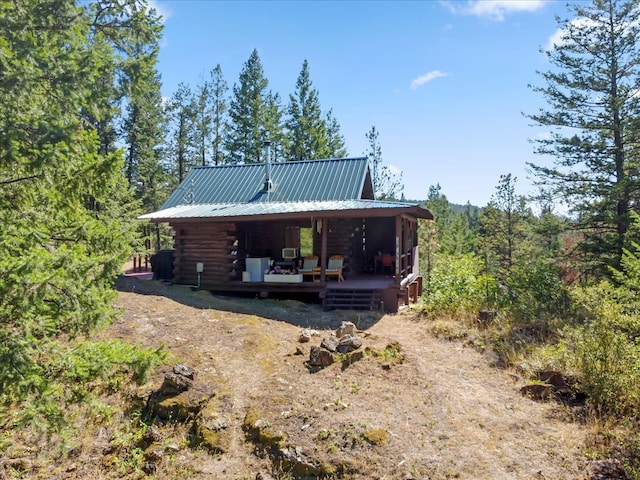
(410, 210)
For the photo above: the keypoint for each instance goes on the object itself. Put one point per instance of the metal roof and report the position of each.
(226, 210)
(316, 180)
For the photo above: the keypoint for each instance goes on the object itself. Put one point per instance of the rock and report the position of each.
(556, 380)
(349, 343)
(179, 407)
(152, 435)
(184, 371)
(262, 431)
(154, 454)
(319, 357)
(352, 357)
(346, 328)
(537, 391)
(212, 425)
(294, 461)
(175, 383)
(305, 335)
(263, 476)
(330, 343)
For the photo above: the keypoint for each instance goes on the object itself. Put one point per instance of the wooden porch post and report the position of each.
(323, 249)
(398, 253)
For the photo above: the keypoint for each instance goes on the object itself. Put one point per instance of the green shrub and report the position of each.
(456, 286)
(56, 376)
(537, 295)
(607, 352)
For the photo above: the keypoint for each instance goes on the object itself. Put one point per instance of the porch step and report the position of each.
(354, 299)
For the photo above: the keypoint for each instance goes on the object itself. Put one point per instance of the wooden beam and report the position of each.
(398, 250)
(323, 249)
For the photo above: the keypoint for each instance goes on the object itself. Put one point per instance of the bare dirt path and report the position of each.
(443, 412)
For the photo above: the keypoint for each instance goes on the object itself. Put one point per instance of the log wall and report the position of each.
(215, 245)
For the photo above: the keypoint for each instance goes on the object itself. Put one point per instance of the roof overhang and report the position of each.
(245, 212)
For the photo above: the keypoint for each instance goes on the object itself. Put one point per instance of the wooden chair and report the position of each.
(309, 265)
(334, 268)
(387, 263)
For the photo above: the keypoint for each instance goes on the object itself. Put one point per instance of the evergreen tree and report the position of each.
(335, 141)
(272, 128)
(144, 131)
(219, 106)
(454, 234)
(64, 206)
(439, 205)
(203, 121)
(251, 114)
(182, 149)
(307, 130)
(386, 184)
(593, 110)
(503, 228)
(143, 125)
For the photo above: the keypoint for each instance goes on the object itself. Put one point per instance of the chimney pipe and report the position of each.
(267, 166)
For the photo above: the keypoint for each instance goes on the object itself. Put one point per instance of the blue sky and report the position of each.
(444, 82)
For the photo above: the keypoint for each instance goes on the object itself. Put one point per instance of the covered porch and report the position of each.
(217, 255)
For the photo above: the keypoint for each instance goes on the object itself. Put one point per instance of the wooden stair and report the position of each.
(352, 299)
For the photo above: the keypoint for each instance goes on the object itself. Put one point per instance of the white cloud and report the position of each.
(545, 135)
(161, 9)
(426, 78)
(559, 37)
(394, 170)
(495, 10)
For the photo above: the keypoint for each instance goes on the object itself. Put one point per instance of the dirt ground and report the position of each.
(439, 411)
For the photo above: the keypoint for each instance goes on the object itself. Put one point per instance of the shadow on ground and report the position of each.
(292, 311)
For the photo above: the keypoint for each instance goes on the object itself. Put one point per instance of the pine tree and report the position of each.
(143, 125)
(203, 121)
(335, 141)
(272, 127)
(64, 205)
(182, 150)
(386, 184)
(593, 110)
(252, 110)
(307, 130)
(219, 106)
(454, 233)
(504, 228)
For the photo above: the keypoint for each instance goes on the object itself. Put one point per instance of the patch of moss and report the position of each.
(376, 436)
(261, 430)
(390, 353)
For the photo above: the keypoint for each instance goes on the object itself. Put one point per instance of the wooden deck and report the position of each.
(357, 291)
(360, 282)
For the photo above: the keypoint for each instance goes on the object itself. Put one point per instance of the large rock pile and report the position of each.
(182, 399)
(344, 341)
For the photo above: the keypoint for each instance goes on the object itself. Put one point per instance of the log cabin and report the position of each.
(232, 224)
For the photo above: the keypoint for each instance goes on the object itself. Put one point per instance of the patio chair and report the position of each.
(334, 268)
(309, 265)
(387, 263)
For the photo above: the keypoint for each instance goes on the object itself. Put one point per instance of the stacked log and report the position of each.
(215, 245)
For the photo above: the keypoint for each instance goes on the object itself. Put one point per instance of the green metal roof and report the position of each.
(297, 188)
(316, 180)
